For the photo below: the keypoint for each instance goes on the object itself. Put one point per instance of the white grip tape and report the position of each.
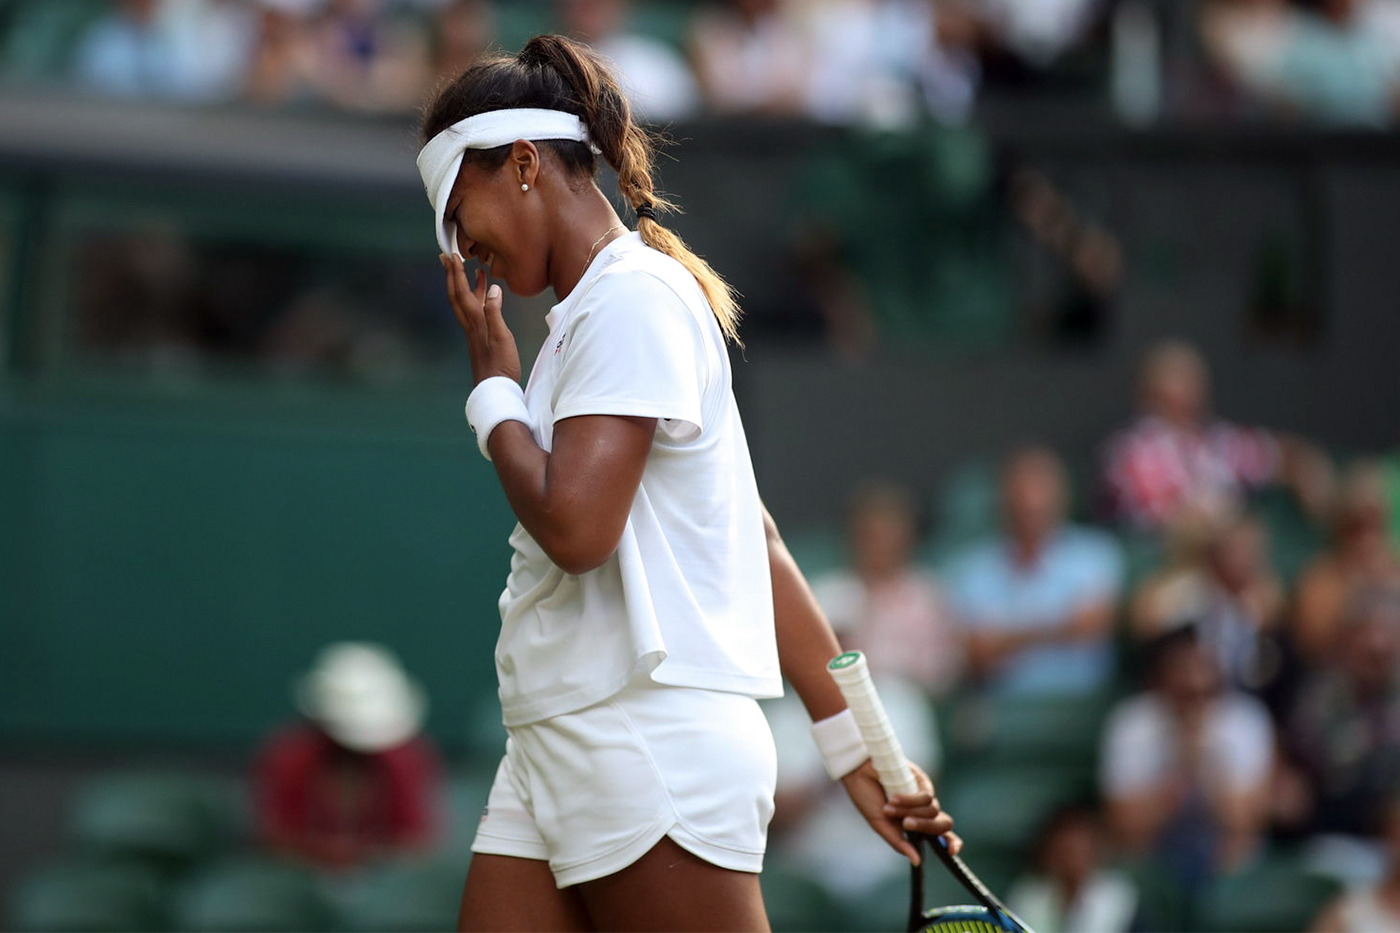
(852, 676)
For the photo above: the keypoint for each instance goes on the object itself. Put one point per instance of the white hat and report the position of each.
(359, 694)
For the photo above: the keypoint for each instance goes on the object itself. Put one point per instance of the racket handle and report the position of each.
(852, 676)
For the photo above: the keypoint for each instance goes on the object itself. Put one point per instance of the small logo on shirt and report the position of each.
(560, 345)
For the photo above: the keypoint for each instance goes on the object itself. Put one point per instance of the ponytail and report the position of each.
(556, 73)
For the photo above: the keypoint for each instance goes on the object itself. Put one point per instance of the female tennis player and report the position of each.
(650, 600)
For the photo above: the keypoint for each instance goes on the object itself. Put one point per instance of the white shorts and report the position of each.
(592, 791)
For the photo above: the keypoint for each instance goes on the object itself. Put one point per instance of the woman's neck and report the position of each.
(584, 226)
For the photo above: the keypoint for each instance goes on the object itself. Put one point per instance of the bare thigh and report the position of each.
(504, 893)
(671, 889)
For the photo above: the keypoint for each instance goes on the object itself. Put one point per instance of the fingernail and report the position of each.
(493, 292)
(889, 809)
(909, 823)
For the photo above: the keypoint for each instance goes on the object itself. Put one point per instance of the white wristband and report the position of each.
(495, 400)
(838, 739)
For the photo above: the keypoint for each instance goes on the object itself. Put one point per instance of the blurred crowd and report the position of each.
(880, 62)
(1219, 633)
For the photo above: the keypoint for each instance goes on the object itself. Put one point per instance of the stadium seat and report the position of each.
(1057, 731)
(101, 897)
(407, 897)
(174, 819)
(1273, 895)
(1162, 903)
(40, 37)
(1000, 809)
(247, 895)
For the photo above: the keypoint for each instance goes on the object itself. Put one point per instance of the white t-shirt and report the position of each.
(687, 595)
(1141, 745)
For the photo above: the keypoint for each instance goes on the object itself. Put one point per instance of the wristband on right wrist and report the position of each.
(839, 740)
(495, 400)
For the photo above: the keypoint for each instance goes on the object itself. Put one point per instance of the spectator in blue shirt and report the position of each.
(1036, 603)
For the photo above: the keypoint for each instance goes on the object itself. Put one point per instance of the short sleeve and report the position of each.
(1253, 454)
(1243, 744)
(634, 349)
(1133, 743)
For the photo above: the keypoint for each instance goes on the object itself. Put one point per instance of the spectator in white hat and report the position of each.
(354, 779)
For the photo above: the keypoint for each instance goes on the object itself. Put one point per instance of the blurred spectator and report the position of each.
(367, 59)
(1229, 592)
(1037, 604)
(133, 300)
(867, 59)
(1328, 61)
(462, 30)
(1345, 729)
(349, 53)
(354, 780)
(1361, 555)
(1080, 259)
(749, 58)
(283, 69)
(1035, 33)
(1070, 889)
(1186, 765)
(1371, 907)
(172, 49)
(1178, 592)
(1177, 454)
(658, 80)
(883, 605)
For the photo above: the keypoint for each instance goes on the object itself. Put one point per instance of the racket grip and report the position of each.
(852, 676)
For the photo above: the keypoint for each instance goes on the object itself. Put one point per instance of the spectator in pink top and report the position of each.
(883, 604)
(1178, 455)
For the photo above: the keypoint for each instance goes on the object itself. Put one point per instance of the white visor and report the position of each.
(441, 159)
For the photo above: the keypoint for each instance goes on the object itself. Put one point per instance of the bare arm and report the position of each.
(987, 649)
(574, 500)
(806, 644)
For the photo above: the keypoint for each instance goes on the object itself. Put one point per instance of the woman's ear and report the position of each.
(524, 163)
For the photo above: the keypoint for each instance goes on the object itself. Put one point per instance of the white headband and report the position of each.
(440, 160)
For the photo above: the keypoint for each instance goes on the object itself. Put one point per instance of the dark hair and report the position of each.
(1165, 646)
(555, 73)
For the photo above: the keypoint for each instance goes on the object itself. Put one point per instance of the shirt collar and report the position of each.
(606, 256)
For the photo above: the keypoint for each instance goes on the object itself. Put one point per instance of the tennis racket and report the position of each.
(990, 915)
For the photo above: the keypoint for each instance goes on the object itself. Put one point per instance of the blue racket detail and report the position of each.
(966, 918)
(989, 915)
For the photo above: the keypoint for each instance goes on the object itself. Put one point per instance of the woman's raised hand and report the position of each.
(490, 343)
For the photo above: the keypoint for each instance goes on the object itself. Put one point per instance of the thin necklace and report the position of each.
(599, 241)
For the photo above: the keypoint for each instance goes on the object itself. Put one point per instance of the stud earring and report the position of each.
(524, 187)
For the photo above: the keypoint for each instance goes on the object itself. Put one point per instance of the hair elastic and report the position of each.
(645, 209)
(441, 159)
